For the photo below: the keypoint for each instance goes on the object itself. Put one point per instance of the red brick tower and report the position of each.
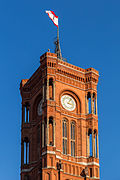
(59, 132)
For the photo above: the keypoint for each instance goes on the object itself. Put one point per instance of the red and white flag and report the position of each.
(53, 17)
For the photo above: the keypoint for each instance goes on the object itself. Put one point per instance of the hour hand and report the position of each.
(69, 102)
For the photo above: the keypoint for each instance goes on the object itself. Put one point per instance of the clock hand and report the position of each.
(69, 100)
(69, 103)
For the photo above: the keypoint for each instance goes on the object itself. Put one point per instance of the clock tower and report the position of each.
(59, 131)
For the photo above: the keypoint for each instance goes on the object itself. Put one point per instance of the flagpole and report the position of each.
(58, 33)
(59, 55)
(54, 18)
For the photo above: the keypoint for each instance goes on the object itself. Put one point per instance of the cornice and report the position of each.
(78, 70)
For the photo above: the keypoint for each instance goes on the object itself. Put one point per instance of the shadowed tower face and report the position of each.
(59, 131)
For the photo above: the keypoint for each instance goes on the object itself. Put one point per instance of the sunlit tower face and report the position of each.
(59, 132)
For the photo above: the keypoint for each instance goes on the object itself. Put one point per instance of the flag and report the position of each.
(53, 17)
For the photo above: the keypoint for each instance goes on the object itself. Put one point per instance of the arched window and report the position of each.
(26, 108)
(64, 137)
(90, 142)
(73, 170)
(72, 139)
(89, 102)
(26, 151)
(51, 131)
(95, 141)
(51, 89)
(91, 174)
(94, 102)
(69, 169)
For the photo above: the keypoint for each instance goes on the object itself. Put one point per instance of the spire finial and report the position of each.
(57, 45)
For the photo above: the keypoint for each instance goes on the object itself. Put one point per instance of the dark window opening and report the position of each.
(72, 139)
(90, 172)
(64, 137)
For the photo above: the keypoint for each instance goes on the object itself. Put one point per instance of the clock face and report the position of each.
(39, 108)
(68, 102)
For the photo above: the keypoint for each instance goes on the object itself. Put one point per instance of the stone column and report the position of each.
(76, 140)
(26, 114)
(43, 91)
(93, 105)
(92, 110)
(88, 137)
(26, 152)
(61, 174)
(53, 132)
(43, 134)
(86, 104)
(96, 103)
(47, 94)
(54, 90)
(92, 144)
(22, 153)
(47, 132)
(23, 113)
(69, 138)
(87, 143)
(97, 147)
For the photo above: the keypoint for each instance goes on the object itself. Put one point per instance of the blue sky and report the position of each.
(89, 37)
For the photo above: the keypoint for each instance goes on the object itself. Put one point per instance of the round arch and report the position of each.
(35, 105)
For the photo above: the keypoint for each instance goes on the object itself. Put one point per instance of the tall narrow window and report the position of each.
(26, 151)
(90, 142)
(95, 105)
(96, 145)
(25, 157)
(89, 102)
(95, 136)
(72, 139)
(64, 137)
(51, 131)
(89, 105)
(90, 172)
(51, 88)
(73, 170)
(26, 114)
(94, 102)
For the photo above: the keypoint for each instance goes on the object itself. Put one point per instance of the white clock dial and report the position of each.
(68, 102)
(39, 109)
